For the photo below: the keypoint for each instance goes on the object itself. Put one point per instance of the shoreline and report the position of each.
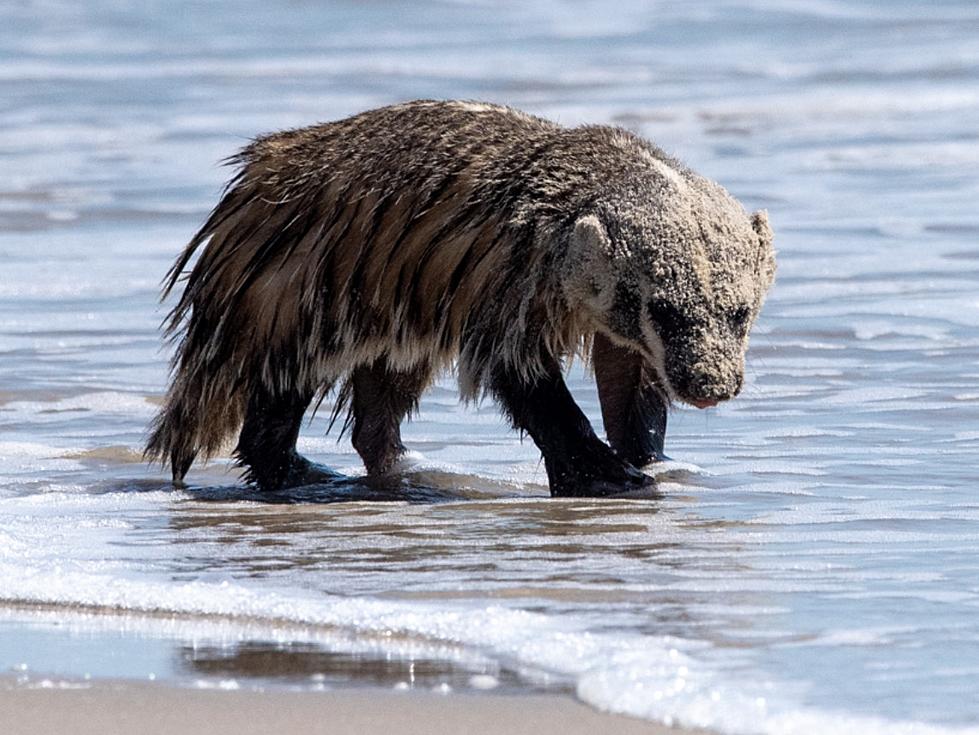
(119, 707)
(79, 671)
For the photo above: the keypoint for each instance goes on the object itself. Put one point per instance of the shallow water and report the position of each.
(807, 564)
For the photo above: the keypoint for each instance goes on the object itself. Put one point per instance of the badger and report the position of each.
(368, 255)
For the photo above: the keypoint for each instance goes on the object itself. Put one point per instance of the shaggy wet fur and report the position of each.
(374, 252)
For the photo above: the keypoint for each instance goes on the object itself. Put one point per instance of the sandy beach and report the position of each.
(123, 708)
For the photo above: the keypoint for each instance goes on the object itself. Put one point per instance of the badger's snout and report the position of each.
(703, 354)
(703, 391)
(707, 380)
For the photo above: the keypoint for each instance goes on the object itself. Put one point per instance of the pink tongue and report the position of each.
(704, 403)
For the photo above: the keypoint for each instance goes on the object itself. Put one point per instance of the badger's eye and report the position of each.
(666, 316)
(740, 315)
(739, 318)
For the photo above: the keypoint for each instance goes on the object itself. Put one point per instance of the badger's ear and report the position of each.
(588, 268)
(759, 223)
(590, 236)
(766, 255)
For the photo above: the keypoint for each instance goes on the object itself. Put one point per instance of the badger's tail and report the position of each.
(206, 401)
(250, 317)
(199, 415)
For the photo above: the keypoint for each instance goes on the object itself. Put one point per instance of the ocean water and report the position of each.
(808, 563)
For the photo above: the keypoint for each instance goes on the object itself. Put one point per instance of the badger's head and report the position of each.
(677, 271)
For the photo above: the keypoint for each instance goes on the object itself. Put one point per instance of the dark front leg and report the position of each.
(633, 408)
(578, 463)
(267, 444)
(382, 397)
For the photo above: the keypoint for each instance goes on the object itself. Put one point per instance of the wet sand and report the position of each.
(124, 708)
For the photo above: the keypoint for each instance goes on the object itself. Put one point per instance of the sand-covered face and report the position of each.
(682, 284)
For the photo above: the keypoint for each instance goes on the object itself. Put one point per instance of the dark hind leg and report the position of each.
(633, 408)
(382, 397)
(578, 463)
(267, 444)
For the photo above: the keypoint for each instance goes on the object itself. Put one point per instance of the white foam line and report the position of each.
(655, 678)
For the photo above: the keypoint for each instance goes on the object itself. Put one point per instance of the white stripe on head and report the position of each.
(655, 353)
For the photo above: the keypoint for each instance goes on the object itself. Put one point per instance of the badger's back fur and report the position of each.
(423, 233)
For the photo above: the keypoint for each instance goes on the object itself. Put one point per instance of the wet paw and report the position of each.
(291, 470)
(645, 461)
(596, 473)
(304, 472)
(603, 487)
(639, 457)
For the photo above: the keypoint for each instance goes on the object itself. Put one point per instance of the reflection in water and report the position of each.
(37, 641)
(299, 664)
(408, 488)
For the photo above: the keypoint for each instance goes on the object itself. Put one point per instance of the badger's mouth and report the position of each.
(703, 402)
